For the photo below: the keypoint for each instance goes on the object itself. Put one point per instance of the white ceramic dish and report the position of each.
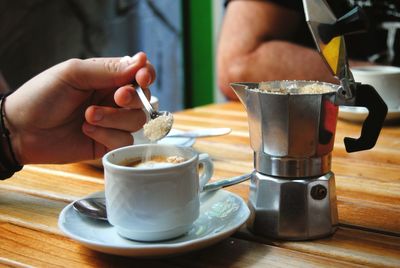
(221, 214)
(358, 114)
(385, 80)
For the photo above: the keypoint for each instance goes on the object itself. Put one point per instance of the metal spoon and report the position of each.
(201, 133)
(95, 207)
(151, 111)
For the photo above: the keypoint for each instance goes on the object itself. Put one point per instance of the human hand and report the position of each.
(78, 109)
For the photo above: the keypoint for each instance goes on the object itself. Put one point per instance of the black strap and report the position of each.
(8, 162)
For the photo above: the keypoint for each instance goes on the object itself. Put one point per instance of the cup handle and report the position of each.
(208, 170)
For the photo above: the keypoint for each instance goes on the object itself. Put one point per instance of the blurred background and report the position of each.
(179, 37)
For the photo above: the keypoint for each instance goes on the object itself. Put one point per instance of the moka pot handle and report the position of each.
(366, 96)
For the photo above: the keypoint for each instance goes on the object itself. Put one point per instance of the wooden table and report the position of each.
(368, 193)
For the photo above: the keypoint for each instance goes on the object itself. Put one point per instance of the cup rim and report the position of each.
(106, 162)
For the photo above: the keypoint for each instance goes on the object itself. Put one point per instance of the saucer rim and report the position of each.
(355, 114)
(166, 249)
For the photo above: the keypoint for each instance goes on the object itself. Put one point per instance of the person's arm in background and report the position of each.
(254, 45)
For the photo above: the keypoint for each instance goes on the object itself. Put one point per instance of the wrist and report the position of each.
(9, 164)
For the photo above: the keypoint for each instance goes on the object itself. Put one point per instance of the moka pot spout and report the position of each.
(240, 90)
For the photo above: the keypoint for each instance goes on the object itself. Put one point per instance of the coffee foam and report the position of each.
(154, 164)
(158, 161)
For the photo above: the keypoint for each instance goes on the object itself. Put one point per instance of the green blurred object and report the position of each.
(199, 60)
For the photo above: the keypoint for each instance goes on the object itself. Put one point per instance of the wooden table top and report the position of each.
(367, 188)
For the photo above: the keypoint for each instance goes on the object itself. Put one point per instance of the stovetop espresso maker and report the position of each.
(292, 130)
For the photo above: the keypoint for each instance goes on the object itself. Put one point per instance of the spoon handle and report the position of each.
(225, 183)
(145, 102)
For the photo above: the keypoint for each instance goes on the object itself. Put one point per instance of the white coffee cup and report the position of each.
(385, 79)
(152, 204)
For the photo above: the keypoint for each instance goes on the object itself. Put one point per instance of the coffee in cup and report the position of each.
(157, 161)
(152, 203)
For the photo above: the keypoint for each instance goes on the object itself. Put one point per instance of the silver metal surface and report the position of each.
(148, 107)
(291, 133)
(226, 182)
(293, 209)
(94, 208)
(320, 20)
(292, 167)
(146, 104)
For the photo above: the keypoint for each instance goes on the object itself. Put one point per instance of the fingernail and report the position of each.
(89, 128)
(128, 61)
(128, 98)
(135, 58)
(98, 115)
(125, 59)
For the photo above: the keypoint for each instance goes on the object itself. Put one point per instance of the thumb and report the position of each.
(103, 73)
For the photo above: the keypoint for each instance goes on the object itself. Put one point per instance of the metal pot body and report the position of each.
(292, 125)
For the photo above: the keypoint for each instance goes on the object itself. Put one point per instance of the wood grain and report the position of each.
(46, 249)
(367, 187)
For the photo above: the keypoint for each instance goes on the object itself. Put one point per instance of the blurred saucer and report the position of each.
(221, 214)
(358, 114)
(181, 141)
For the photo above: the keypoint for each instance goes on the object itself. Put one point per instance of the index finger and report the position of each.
(103, 73)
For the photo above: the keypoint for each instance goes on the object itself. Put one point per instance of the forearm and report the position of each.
(272, 60)
(276, 60)
(257, 44)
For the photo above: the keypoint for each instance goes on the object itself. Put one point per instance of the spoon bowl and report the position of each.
(94, 207)
(161, 120)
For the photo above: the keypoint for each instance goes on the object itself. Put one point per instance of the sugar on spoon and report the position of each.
(160, 123)
(95, 207)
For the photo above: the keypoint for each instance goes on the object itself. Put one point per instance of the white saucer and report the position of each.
(221, 214)
(359, 114)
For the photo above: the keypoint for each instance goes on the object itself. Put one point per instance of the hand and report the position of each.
(78, 109)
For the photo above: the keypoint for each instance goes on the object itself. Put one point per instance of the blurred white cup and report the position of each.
(385, 79)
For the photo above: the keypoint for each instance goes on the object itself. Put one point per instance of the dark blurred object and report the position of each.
(381, 42)
(36, 34)
(3, 85)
